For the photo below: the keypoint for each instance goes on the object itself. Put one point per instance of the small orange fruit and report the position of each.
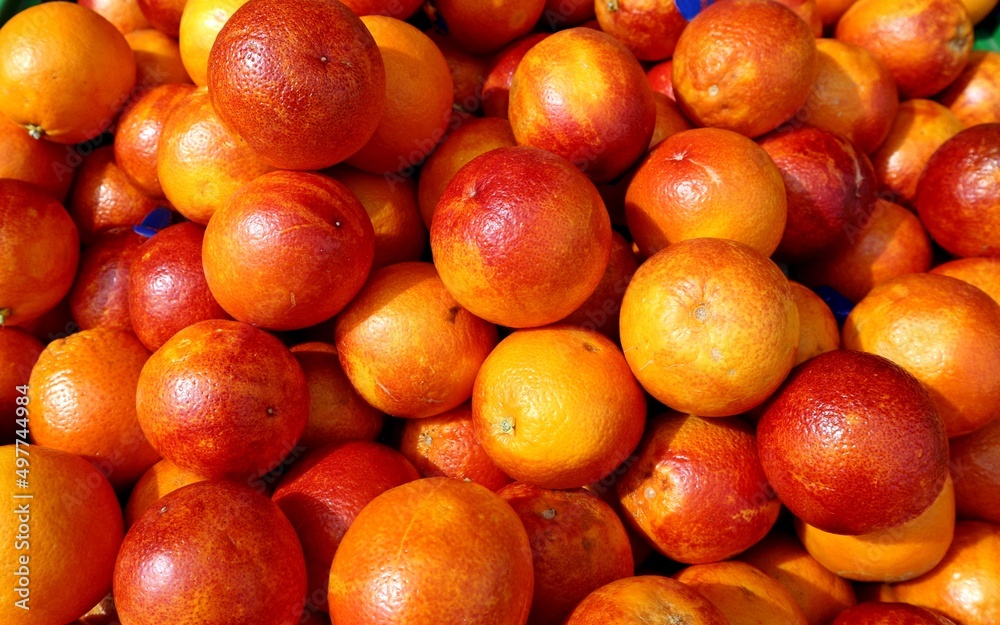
(485, 27)
(103, 197)
(53, 56)
(41, 249)
(557, 407)
(323, 494)
(520, 237)
(821, 594)
(65, 566)
(164, 15)
(649, 30)
(158, 481)
(818, 330)
(209, 409)
(891, 555)
(200, 24)
(744, 594)
(854, 95)
(459, 552)
(640, 600)
(157, 61)
(983, 273)
(669, 120)
(446, 445)
(578, 544)
(852, 444)
(924, 43)
(553, 104)
(82, 401)
(745, 66)
(953, 320)
(200, 164)
(965, 586)
(707, 182)
(887, 243)
(602, 310)
(391, 204)
(496, 88)
(336, 411)
(168, 567)
(99, 296)
(974, 97)
(418, 98)
(687, 333)
(303, 83)
(975, 461)
(124, 14)
(407, 346)
(18, 353)
(468, 73)
(288, 250)
(696, 490)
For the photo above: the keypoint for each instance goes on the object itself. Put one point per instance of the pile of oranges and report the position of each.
(547, 312)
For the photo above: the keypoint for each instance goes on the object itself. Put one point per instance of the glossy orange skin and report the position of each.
(163, 15)
(852, 444)
(974, 97)
(137, 136)
(696, 489)
(924, 43)
(822, 595)
(285, 220)
(496, 89)
(957, 322)
(602, 310)
(41, 248)
(325, 491)
(552, 105)
(829, 185)
(65, 71)
(213, 551)
(919, 129)
(706, 182)
(649, 29)
(878, 613)
(744, 594)
(434, 551)
(854, 95)
(41, 163)
(557, 407)
(167, 290)
(965, 586)
(638, 600)
(158, 481)
(18, 353)
(484, 28)
(473, 138)
(99, 296)
(806, 9)
(446, 445)
(885, 244)
(818, 329)
(669, 120)
(717, 360)
(983, 273)
(124, 14)
(508, 229)
(407, 346)
(73, 540)
(336, 411)
(578, 544)
(209, 409)
(894, 554)
(957, 197)
(391, 204)
(157, 62)
(975, 460)
(661, 78)
(104, 198)
(81, 398)
(345, 92)
(200, 164)
(400, 9)
(758, 55)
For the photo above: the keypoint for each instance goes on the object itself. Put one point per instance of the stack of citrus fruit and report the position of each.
(547, 312)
